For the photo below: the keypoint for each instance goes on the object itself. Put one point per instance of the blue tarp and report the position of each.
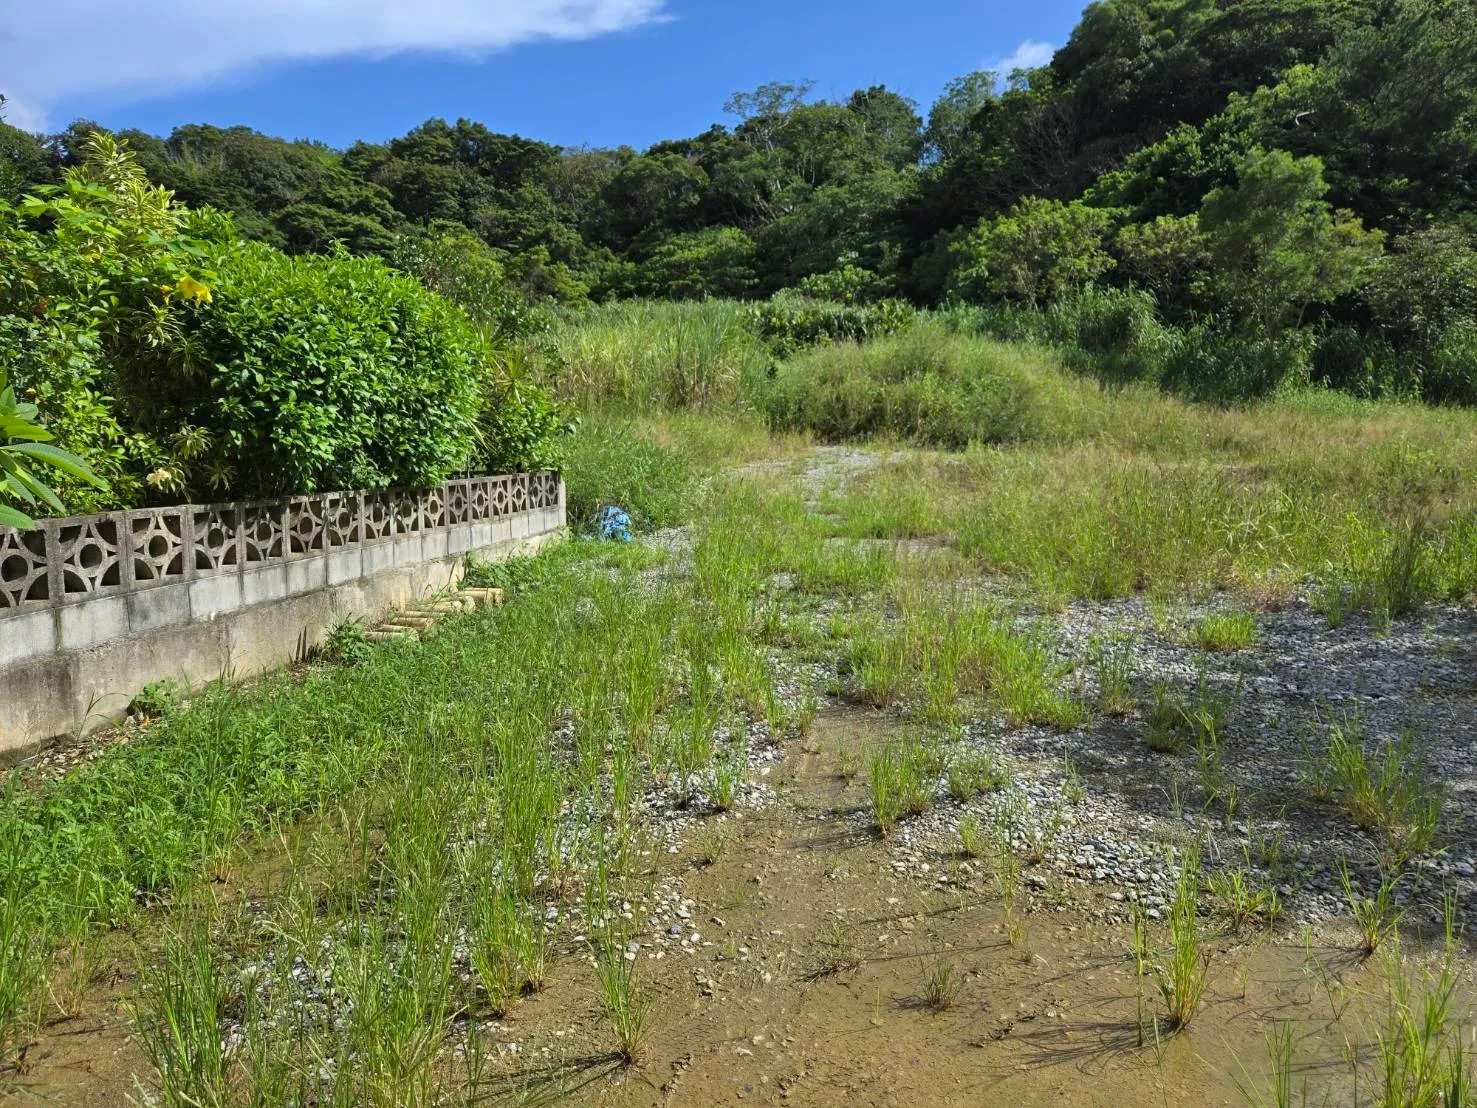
(615, 525)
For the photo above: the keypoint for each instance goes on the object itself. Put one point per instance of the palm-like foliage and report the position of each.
(24, 445)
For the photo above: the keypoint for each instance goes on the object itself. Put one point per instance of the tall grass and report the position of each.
(924, 385)
(942, 649)
(609, 463)
(641, 354)
(1120, 492)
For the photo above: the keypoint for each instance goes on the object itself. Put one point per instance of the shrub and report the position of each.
(24, 446)
(1213, 364)
(790, 321)
(1037, 252)
(102, 272)
(329, 373)
(846, 282)
(180, 362)
(1451, 370)
(521, 426)
(926, 386)
(1113, 334)
(452, 261)
(1363, 364)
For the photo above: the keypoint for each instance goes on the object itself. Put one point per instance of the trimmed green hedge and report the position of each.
(329, 372)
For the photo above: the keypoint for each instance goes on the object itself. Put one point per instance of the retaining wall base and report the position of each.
(71, 670)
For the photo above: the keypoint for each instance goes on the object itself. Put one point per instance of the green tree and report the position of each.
(452, 261)
(1033, 254)
(25, 161)
(718, 261)
(1167, 255)
(953, 112)
(1275, 245)
(1427, 282)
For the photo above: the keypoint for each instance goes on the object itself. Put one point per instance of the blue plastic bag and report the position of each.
(615, 525)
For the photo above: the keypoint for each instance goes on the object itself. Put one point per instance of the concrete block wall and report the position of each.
(93, 608)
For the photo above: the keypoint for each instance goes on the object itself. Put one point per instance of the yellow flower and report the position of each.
(194, 289)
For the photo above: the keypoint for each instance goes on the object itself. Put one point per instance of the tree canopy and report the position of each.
(1134, 157)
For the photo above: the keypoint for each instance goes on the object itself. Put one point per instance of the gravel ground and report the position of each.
(1118, 840)
(1137, 806)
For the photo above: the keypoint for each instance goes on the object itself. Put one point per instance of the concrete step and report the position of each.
(484, 597)
(415, 623)
(388, 634)
(449, 604)
(432, 614)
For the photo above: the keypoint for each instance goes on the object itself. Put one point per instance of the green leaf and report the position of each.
(60, 459)
(13, 517)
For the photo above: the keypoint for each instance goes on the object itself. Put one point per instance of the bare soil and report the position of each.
(807, 986)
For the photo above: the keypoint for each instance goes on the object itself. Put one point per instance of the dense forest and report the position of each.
(1218, 196)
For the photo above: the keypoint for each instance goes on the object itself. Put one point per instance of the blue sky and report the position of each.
(597, 72)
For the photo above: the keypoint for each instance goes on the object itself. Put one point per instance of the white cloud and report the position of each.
(1028, 55)
(113, 49)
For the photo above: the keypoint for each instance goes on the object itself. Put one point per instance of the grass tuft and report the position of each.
(900, 787)
(1182, 975)
(1225, 632)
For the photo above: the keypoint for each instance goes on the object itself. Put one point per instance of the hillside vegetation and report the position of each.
(1215, 197)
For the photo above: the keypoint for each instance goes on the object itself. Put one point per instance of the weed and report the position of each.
(622, 1000)
(1141, 951)
(1280, 1056)
(1182, 978)
(972, 842)
(1266, 849)
(512, 575)
(21, 951)
(1242, 899)
(1165, 734)
(710, 847)
(1179, 718)
(974, 773)
(506, 947)
(834, 952)
(347, 643)
(1215, 780)
(159, 698)
(1334, 600)
(1008, 884)
(805, 715)
(1073, 790)
(181, 1021)
(1422, 1058)
(1376, 916)
(728, 778)
(73, 969)
(1112, 665)
(879, 663)
(941, 987)
(1393, 794)
(1019, 825)
(848, 762)
(899, 787)
(1224, 632)
(1399, 581)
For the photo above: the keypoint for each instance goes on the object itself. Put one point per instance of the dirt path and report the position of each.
(808, 983)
